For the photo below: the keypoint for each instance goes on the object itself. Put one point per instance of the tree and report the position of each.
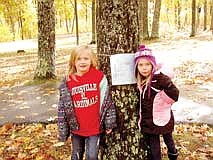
(76, 20)
(211, 25)
(46, 40)
(205, 15)
(193, 18)
(93, 23)
(156, 19)
(178, 12)
(143, 20)
(117, 32)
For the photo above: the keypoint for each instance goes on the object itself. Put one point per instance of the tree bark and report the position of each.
(117, 32)
(156, 19)
(46, 40)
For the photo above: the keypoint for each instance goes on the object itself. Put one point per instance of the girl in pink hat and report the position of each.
(157, 94)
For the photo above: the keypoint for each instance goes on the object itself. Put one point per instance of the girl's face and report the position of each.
(144, 67)
(83, 63)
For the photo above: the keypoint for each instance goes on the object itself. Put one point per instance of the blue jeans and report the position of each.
(80, 142)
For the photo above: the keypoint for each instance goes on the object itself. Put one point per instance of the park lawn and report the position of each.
(39, 141)
(18, 68)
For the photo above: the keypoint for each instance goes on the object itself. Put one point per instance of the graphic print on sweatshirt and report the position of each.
(85, 95)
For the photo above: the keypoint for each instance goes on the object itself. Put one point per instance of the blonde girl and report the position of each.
(85, 107)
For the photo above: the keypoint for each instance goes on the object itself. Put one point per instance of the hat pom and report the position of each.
(141, 47)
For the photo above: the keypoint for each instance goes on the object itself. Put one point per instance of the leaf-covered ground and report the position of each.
(39, 142)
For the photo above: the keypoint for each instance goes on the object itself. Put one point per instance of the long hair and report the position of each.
(75, 53)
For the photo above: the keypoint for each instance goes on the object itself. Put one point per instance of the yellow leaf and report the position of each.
(59, 144)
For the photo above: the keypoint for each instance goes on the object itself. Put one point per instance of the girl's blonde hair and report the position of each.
(75, 53)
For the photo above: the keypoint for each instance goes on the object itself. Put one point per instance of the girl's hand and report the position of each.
(108, 131)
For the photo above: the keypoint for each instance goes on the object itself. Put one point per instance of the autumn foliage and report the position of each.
(39, 142)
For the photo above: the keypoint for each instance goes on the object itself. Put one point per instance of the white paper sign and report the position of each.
(122, 69)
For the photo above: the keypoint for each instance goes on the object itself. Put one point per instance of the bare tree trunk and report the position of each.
(198, 17)
(46, 40)
(185, 23)
(193, 30)
(156, 19)
(93, 23)
(66, 18)
(178, 16)
(205, 15)
(76, 20)
(20, 20)
(12, 27)
(211, 25)
(143, 20)
(117, 32)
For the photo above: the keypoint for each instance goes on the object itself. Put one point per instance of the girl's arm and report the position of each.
(66, 117)
(63, 127)
(108, 112)
(168, 86)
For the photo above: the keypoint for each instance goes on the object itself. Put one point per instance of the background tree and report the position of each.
(76, 20)
(117, 32)
(93, 23)
(143, 20)
(177, 13)
(205, 15)
(211, 11)
(46, 40)
(193, 24)
(156, 18)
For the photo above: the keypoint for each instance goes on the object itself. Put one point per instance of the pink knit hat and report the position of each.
(145, 53)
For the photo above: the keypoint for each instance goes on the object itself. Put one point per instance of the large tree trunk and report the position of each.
(143, 20)
(193, 30)
(46, 40)
(156, 19)
(117, 32)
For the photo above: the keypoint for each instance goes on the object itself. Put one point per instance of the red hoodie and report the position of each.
(85, 94)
